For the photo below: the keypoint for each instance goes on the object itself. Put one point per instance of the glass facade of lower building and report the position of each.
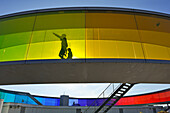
(144, 99)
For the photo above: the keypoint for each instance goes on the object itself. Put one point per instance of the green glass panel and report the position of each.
(1, 54)
(1, 40)
(17, 24)
(16, 39)
(15, 53)
(14, 46)
(1, 50)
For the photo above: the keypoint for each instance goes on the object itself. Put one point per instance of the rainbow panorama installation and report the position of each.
(88, 45)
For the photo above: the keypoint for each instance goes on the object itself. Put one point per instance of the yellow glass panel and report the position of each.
(138, 50)
(78, 48)
(125, 49)
(112, 43)
(36, 45)
(75, 40)
(110, 20)
(51, 50)
(101, 49)
(153, 23)
(157, 38)
(112, 34)
(35, 51)
(156, 52)
(60, 21)
(113, 49)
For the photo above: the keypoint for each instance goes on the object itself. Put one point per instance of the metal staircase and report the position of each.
(119, 92)
(167, 108)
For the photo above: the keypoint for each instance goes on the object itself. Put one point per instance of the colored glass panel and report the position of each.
(59, 21)
(45, 45)
(111, 43)
(14, 46)
(157, 38)
(110, 20)
(153, 98)
(49, 101)
(17, 24)
(36, 45)
(156, 52)
(89, 35)
(9, 97)
(153, 23)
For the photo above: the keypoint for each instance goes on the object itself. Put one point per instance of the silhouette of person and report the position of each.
(70, 55)
(64, 45)
(73, 104)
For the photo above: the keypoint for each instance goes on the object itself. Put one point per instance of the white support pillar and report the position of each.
(1, 104)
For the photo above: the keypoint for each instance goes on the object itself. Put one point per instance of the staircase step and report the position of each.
(117, 95)
(120, 92)
(122, 89)
(125, 87)
(128, 84)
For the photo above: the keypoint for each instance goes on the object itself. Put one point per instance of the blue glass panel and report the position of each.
(9, 97)
(49, 101)
(73, 102)
(30, 101)
(21, 99)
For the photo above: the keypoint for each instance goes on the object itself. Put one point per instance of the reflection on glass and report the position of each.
(64, 45)
(51, 44)
(70, 54)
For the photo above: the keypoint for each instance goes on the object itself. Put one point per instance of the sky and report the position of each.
(12, 6)
(81, 90)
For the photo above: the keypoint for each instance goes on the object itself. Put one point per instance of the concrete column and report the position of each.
(1, 104)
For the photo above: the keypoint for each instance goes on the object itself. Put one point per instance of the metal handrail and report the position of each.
(102, 93)
(98, 96)
(115, 89)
